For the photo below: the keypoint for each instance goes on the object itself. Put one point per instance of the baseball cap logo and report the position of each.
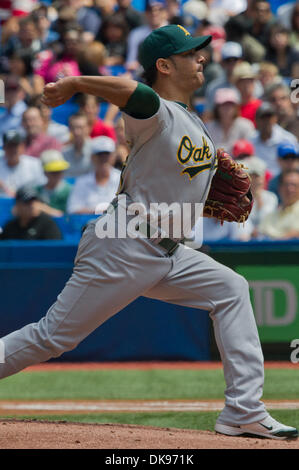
(183, 29)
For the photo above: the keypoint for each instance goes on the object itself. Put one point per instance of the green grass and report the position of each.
(185, 420)
(137, 384)
(143, 384)
(113, 384)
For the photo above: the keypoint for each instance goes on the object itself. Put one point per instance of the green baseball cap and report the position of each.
(166, 41)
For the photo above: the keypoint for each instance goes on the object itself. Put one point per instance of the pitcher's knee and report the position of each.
(52, 341)
(57, 345)
(236, 285)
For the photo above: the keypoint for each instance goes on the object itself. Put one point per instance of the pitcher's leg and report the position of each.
(241, 354)
(108, 275)
(198, 281)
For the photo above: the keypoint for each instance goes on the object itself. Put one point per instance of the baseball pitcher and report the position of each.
(172, 160)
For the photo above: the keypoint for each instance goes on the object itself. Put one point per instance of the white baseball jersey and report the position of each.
(172, 158)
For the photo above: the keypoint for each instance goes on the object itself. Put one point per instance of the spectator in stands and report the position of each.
(231, 55)
(242, 148)
(113, 34)
(217, 32)
(17, 169)
(284, 9)
(21, 66)
(93, 192)
(262, 21)
(288, 159)
(265, 201)
(279, 96)
(279, 50)
(175, 13)
(221, 10)
(87, 18)
(268, 136)
(26, 41)
(30, 223)
(197, 8)
(294, 75)
(65, 17)
(283, 224)
(156, 15)
(104, 8)
(54, 65)
(78, 152)
(238, 29)
(9, 29)
(90, 105)
(51, 127)
(244, 78)
(92, 58)
(238, 25)
(15, 9)
(40, 16)
(36, 139)
(211, 230)
(114, 118)
(268, 74)
(14, 106)
(294, 37)
(55, 192)
(227, 125)
(132, 17)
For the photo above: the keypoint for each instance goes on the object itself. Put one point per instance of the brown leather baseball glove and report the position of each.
(229, 197)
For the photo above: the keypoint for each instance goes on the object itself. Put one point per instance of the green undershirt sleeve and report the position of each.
(143, 103)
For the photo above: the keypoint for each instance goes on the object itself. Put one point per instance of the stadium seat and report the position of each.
(70, 180)
(63, 225)
(71, 225)
(77, 221)
(280, 4)
(6, 205)
(62, 113)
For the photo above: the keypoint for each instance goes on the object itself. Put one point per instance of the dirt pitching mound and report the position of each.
(15, 434)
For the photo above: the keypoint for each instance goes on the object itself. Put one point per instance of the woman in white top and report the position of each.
(227, 126)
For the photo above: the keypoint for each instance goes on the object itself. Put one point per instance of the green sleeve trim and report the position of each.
(143, 103)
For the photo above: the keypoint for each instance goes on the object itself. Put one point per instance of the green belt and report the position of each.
(169, 245)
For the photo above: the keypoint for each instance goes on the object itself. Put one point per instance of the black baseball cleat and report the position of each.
(268, 427)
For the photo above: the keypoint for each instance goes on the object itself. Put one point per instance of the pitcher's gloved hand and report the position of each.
(229, 197)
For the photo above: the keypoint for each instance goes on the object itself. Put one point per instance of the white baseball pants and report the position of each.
(110, 273)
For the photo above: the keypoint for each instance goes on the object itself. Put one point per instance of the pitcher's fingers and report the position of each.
(50, 89)
(46, 100)
(51, 102)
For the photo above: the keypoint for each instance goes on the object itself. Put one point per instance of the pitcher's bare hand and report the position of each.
(55, 94)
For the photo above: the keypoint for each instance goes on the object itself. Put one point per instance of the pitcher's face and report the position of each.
(187, 69)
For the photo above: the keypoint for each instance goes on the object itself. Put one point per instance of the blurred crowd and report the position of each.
(67, 161)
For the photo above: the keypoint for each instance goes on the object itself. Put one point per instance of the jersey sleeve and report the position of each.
(144, 115)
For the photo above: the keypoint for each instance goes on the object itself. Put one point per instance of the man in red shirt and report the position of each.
(90, 105)
(244, 78)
